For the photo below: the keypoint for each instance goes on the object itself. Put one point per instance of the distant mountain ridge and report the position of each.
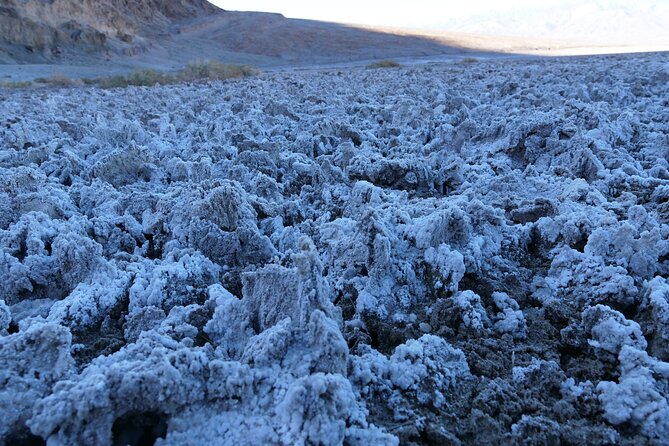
(45, 29)
(613, 21)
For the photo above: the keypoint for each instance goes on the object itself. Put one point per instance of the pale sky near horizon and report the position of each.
(428, 13)
(388, 12)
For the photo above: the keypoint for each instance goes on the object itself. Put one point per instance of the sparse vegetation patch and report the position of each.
(386, 63)
(213, 70)
(201, 70)
(195, 71)
(15, 84)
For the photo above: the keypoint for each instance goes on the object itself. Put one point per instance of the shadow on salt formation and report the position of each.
(139, 429)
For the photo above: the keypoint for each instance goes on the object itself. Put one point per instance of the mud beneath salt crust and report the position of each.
(450, 254)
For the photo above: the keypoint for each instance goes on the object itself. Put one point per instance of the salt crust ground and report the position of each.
(442, 254)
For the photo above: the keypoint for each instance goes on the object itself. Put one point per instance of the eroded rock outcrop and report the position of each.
(49, 29)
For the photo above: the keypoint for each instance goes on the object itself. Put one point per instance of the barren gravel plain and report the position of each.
(458, 253)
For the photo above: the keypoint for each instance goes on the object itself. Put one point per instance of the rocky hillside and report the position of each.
(34, 30)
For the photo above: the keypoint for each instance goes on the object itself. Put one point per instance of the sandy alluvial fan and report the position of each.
(447, 254)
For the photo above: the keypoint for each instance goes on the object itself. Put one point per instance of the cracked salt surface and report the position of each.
(442, 254)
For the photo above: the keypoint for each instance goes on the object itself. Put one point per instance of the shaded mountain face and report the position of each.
(33, 30)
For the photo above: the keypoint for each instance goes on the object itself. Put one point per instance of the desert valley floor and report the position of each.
(459, 253)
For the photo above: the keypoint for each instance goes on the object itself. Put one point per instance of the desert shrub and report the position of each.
(148, 78)
(194, 71)
(116, 81)
(138, 78)
(15, 84)
(213, 70)
(386, 63)
(56, 80)
(470, 60)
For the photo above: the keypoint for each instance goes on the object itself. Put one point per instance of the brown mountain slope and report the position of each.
(44, 30)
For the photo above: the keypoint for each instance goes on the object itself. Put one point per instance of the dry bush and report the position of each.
(386, 63)
(116, 81)
(194, 71)
(137, 78)
(16, 84)
(56, 80)
(213, 70)
(149, 78)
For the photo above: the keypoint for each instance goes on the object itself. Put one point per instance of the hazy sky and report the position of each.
(428, 13)
(383, 12)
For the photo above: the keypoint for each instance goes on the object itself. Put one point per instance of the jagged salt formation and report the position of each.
(448, 254)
